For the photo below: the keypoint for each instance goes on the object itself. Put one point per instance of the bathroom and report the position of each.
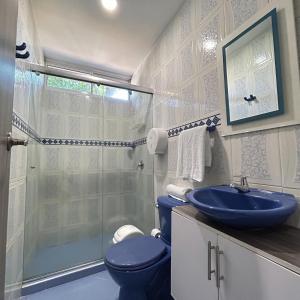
(131, 125)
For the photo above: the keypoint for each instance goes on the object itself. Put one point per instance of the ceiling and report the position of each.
(82, 33)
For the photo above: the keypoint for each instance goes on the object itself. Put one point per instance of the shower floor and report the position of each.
(94, 287)
(64, 256)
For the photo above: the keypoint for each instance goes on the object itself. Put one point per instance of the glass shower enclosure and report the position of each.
(83, 179)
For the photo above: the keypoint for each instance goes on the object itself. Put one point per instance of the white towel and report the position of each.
(194, 153)
(177, 192)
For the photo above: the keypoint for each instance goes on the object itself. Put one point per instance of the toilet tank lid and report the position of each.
(169, 202)
(136, 253)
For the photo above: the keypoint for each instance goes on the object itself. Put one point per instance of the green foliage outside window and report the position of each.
(75, 85)
(98, 90)
(85, 87)
(68, 84)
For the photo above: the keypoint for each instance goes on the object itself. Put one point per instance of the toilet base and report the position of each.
(160, 287)
(127, 293)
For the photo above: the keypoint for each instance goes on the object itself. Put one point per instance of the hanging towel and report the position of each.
(194, 153)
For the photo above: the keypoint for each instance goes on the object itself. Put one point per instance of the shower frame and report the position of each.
(85, 77)
(43, 282)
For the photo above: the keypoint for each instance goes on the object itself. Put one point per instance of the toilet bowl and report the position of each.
(141, 265)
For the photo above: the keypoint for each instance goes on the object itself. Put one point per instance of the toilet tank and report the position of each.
(165, 206)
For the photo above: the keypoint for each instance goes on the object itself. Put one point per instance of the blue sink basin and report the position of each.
(255, 209)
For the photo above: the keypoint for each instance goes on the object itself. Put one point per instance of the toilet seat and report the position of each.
(135, 254)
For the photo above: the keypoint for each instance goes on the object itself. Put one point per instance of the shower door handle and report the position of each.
(140, 165)
(10, 142)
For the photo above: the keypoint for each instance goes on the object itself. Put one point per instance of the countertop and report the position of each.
(279, 244)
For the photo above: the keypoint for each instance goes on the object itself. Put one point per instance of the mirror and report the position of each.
(252, 73)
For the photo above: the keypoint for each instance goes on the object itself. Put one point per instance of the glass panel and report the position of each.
(64, 217)
(78, 195)
(127, 191)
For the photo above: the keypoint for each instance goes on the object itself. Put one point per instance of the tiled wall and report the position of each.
(17, 192)
(182, 68)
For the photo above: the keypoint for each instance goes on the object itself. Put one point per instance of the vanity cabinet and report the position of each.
(189, 278)
(242, 273)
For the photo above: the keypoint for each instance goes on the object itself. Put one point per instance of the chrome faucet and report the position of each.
(243, 187)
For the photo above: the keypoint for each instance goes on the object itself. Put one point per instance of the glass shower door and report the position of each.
(127, 189)
(83, 180)
(64, 198)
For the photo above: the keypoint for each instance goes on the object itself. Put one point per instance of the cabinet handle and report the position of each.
(218, 275)
(210, 271)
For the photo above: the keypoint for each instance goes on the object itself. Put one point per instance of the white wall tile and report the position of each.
(289, 138)
(208, 37)
(209, 92)
(189, 108)
(205, 8)
(186, 19)
(239, 11)
(171, 76)
(172, 154)
(187, 63)
(256, 155)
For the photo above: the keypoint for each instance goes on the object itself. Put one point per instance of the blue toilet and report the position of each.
(141, 265)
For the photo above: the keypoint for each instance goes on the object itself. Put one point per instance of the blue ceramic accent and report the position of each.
(75, 142)
(211, 122)
(139, 142)
(256, 209)
(150, 283)
(135, 254)
(165, 206)
(142, 266)
(24, 127)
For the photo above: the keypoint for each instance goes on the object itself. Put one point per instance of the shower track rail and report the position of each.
(76, 75)
(45, 282)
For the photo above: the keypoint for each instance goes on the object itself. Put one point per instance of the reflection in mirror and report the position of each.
(252, 73)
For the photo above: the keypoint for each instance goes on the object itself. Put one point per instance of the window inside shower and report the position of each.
(83, 182)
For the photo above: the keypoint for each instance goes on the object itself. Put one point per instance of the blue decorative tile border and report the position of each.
(139, 142)
(24, 127)
(214, 120)
(75, 142)
(211, 121)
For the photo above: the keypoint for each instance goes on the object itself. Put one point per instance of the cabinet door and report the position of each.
(248, 276)
(189, 278)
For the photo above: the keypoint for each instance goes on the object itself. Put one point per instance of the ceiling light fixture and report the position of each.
(110, 5)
